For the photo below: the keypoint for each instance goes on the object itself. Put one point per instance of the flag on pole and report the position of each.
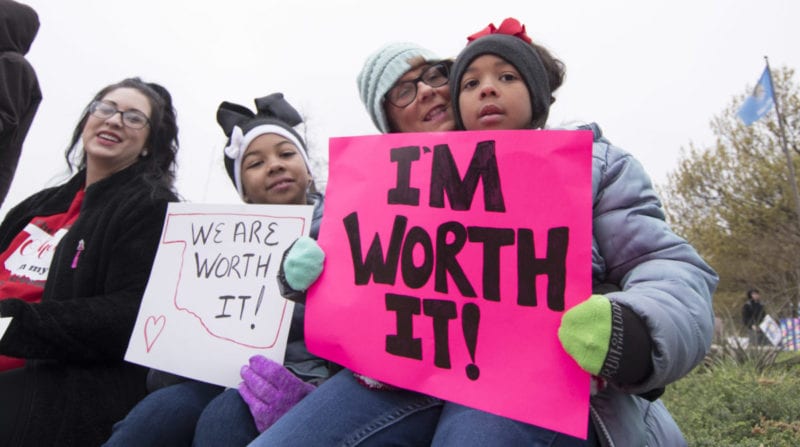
(759, 102)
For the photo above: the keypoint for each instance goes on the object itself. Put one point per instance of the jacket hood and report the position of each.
(18, 26)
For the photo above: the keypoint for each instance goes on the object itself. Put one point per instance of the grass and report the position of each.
(740, 397)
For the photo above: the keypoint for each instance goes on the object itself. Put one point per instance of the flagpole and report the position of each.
(784, 146)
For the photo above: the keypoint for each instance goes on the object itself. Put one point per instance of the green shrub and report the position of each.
(739, 399)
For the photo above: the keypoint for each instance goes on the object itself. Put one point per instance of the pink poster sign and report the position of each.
(450, 260)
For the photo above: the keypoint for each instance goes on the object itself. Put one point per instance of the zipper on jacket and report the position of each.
(602, 431)
(77, 254)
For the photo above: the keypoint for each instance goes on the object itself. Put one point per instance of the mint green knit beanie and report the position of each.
(380, 72)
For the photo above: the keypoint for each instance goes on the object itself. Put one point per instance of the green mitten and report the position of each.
(585, 332)
(302, 264)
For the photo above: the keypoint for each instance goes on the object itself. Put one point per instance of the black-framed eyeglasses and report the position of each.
(131, 118)
(404, 92)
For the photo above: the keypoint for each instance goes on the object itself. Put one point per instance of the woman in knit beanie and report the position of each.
(404, 89)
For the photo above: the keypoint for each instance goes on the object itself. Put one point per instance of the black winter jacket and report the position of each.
(76, 338)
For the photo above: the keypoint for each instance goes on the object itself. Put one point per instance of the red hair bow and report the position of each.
(510, 26)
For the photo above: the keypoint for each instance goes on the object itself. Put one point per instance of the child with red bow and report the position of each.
(650, 319)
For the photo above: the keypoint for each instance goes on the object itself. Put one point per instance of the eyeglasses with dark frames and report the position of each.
(405, 92)
(131, 118)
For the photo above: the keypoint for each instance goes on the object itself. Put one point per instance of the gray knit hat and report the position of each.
(518, 53)
(381, 71)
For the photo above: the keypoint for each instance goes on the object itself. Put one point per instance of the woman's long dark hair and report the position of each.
(162, 142)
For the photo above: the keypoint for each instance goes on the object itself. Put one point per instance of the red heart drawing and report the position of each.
(152, 329)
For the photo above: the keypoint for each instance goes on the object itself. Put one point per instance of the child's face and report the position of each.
(274, 172)
(494, 96)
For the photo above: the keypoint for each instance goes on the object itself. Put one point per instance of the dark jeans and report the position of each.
(189, 413)
(342, 412)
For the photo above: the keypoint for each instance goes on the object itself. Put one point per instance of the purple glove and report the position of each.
(270, 390)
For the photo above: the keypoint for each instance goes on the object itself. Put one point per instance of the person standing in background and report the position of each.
(752, 314)
(19, 88)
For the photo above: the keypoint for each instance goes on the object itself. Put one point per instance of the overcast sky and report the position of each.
(652, 74)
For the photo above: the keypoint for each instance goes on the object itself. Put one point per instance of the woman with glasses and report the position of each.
(75, 260)
(404, 88)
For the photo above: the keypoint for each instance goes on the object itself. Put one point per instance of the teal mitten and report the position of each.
(302, 264)
(585, 332)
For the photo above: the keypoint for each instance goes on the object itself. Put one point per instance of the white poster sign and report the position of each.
(771, 329)
(212, 300)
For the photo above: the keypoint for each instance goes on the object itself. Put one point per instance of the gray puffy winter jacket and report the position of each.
(661, 278)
